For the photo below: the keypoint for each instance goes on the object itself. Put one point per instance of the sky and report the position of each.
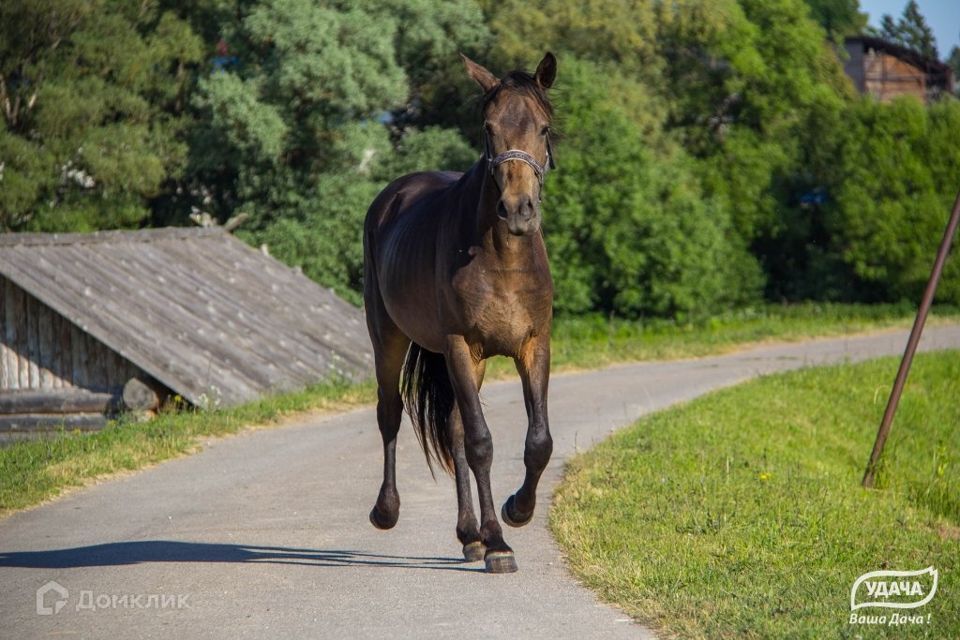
(943, 16)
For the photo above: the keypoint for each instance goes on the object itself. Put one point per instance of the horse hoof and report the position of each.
(500, 562)
(473, 551)
(508, 513)
(381, 522)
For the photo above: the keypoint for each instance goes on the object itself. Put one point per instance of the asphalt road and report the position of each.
(265, 534)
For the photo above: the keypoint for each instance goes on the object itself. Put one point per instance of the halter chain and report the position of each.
(520, 156)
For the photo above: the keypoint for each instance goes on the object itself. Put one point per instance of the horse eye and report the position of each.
(545, 131)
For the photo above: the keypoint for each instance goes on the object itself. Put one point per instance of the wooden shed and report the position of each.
(192, 312)
(886, 70)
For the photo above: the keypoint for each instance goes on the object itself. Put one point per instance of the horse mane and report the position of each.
(523, 83)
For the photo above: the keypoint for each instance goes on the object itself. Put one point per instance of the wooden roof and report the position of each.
(213, 319)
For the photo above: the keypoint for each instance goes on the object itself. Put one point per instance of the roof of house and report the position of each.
(211, 318)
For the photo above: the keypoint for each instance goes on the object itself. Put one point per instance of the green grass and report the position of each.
(740, 514)
(31, 472)
(594, 341)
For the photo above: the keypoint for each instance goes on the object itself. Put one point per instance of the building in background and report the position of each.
(90, 323)
(885, 70)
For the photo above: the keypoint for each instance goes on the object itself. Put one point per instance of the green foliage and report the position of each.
(249, 130)
(910, 31)
(613, 31)
(712, 150)
(626, 224)
(91, 95)
(954, 61)
(336, 62)
(839, 18)
(295, 130)
(893, 179)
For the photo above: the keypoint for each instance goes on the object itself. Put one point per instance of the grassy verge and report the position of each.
(740, 514)
(31, 472)
(592, 342)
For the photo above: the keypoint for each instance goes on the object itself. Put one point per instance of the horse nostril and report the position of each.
(527, 208)
(501, 210)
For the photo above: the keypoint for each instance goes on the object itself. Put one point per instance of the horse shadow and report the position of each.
(152, 551)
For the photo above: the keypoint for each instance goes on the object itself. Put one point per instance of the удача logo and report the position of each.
(894, 589)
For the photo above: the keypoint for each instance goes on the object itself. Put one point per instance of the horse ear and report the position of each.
(547, 71)
(480, 74)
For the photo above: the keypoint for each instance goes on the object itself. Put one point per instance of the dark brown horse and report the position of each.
(455, 271)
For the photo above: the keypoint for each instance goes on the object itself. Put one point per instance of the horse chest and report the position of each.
(502, 309)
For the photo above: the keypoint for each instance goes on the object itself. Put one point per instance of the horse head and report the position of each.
(516, 137)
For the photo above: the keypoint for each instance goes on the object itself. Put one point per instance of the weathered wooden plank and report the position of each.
(33, 340)
(124, 337)
(78, 346)
(52, 422)
(47, 346)
(65, 352)
(194, 295)
(49, 401)
(110, 373)
(282, 319)
(19, 342)
(193, 340)
(286, 294)
(12, 380)
(98, 380)
(249, 322)
(4, 352)
(27, 240)
(56, 358)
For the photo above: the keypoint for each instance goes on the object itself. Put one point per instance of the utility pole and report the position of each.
(901, 379)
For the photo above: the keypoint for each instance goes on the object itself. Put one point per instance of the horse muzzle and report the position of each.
(522, 214)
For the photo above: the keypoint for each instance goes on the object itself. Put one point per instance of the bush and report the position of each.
(627, 227)
(895, 175)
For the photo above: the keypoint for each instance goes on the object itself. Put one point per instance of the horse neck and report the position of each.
(513, 252)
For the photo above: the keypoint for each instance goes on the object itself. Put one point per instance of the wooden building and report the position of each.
(191, 312)
(886, 70)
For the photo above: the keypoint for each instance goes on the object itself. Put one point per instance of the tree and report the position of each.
(839, 18)
(93, 96)
(954, 62)
(314, 107)
(627, 226)
(892, 175)
(911, 31)
(623, 33)
(916, 33)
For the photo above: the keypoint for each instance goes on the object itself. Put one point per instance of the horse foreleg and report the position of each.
(533, 364)
(461, 365)
(468, 531)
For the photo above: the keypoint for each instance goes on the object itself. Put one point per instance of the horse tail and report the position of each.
(429, 399)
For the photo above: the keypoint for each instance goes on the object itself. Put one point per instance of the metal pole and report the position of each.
(901, 379)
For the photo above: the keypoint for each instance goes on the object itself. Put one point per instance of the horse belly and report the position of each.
(419, 324)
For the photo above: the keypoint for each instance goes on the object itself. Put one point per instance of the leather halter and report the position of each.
(520, 156)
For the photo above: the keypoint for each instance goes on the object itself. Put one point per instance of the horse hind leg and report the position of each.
(389, 352)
